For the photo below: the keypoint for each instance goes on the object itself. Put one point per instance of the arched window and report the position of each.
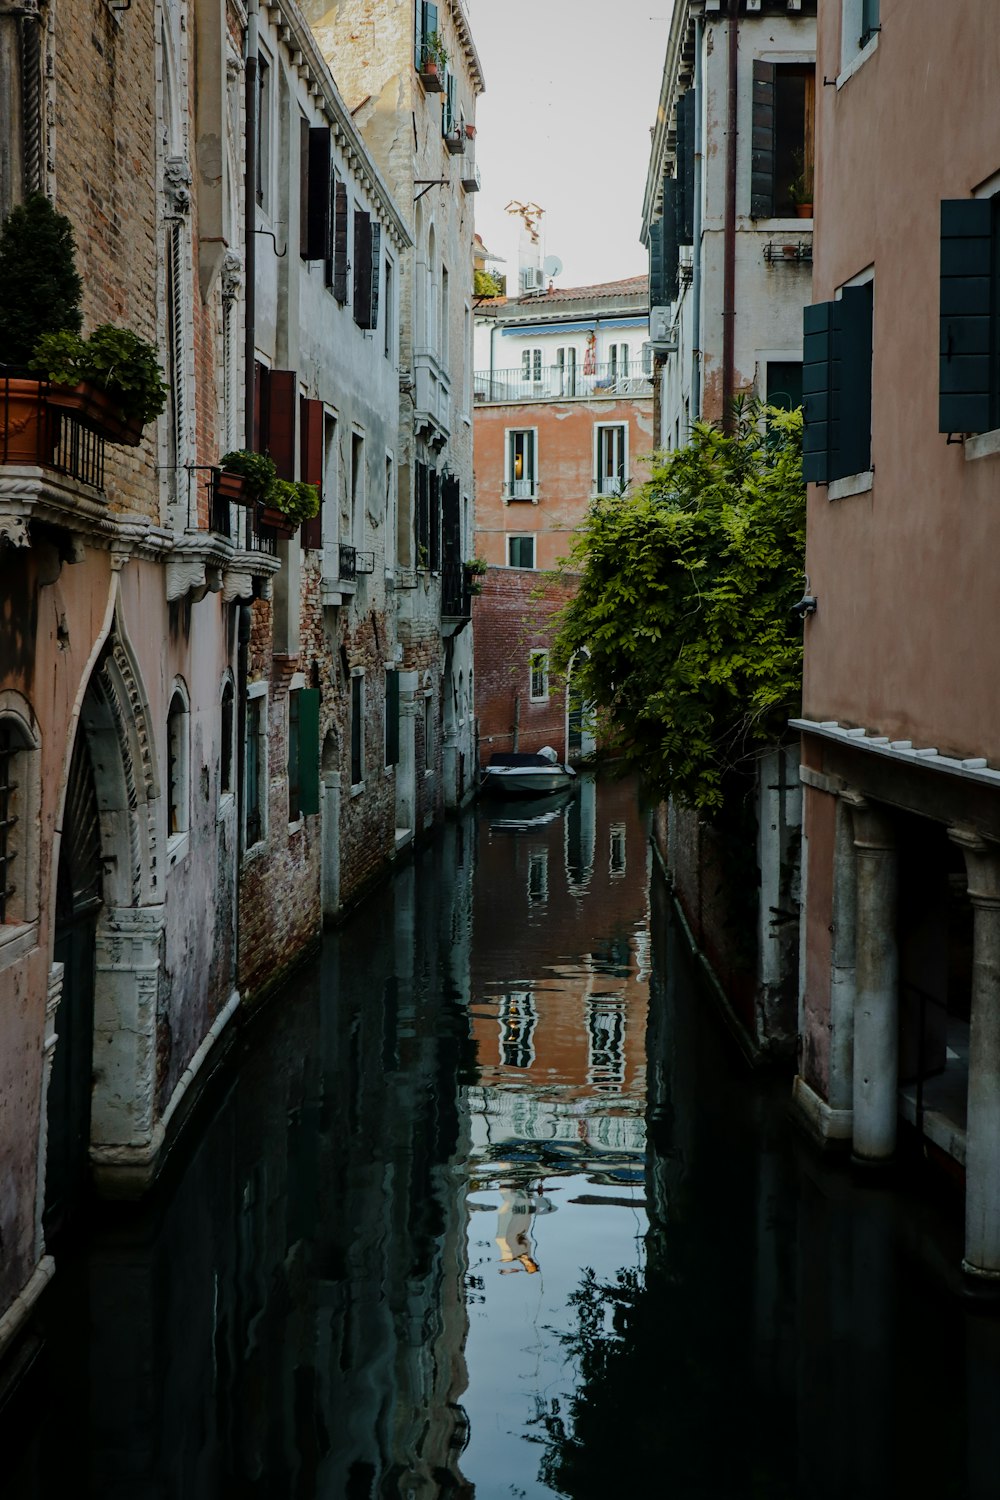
(19, 804)
(226, 745)
(177, 764)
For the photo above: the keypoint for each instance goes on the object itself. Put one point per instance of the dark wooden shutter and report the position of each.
(670, 242)
(967, 397)
(434, 521)
(685, 167)
(340, 266)
(392, 718)
(308, 750)
(853, 391)
(451, 520)
(303, 185)
(657, 289)
(376, 274)
(762, 142)
(422, 519)
(818, 323)
(311, 463)
(281, 421)
(315, 244)
(362, 268)
(330, 252)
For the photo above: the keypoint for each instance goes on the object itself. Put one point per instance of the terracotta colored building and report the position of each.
(563, 413)
(900, 996)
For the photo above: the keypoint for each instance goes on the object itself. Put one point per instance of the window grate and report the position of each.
(8, 818)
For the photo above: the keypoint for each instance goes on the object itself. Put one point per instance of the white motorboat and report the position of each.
(513, 773)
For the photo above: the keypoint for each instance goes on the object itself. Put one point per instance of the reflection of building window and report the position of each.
(606, 1042)
(617, 857)
(517, 1026)
(538, 875)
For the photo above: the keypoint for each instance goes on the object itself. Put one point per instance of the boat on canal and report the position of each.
(516, 773)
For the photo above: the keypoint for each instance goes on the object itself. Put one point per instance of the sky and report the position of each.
(572, 88)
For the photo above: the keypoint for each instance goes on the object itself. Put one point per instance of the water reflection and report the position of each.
(478, 1217)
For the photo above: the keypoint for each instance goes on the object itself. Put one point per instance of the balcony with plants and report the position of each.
(63, 398)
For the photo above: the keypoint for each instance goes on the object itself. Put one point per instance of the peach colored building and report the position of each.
(900, 990)
(563, 413)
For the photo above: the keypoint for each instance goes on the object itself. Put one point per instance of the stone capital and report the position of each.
(982, 865)
(873, 830)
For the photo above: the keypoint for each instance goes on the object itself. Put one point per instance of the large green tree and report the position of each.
(681, 631)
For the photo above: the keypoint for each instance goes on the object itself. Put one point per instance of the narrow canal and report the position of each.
(486, 1208)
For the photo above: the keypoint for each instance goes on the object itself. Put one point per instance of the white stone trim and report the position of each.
(851, 484)
(826, 1123)
(970, 768)
(857, 61)
(983, 445)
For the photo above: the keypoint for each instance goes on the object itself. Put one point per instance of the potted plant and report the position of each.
(112, 380)
(288, 503)
(475, 568)
(40, 293)
(433, 61)
(244, 477)
(800, 189)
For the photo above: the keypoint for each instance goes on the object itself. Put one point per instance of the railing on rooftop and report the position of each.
(562, 383)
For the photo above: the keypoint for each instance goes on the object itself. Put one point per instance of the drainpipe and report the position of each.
(250, 219)
(729, 252)
(699, 31)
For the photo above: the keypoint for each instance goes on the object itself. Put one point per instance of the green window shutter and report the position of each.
(685, 167)
(762, 142)
(376, 231)
(657, 284)
(392, 718)
(853, 399)
(967, 350)
(308, 750)
(671, 257)
(818, 329)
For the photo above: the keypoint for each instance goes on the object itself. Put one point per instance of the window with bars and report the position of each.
(10, 744)
(538, 667)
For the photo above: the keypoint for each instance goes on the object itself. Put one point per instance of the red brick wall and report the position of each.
(511, 617)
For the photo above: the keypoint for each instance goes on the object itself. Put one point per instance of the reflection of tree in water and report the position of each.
(661, 1394)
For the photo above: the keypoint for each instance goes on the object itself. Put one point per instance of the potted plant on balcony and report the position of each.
(433, 61)
(800, 189)
(287, 504)
(40, 293)
(244, 477)
(475, 569)
(112, 380)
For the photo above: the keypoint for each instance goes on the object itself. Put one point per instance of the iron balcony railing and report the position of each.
(348, 562)
(562, 382)
(35, 433)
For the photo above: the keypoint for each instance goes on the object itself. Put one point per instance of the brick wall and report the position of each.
(511, 617)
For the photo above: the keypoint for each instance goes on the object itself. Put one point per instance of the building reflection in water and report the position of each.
(474, 1218)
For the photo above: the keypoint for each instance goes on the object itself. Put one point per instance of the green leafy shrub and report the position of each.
(295, 499)
(113, 360)
(40, 289)
(256, 468)
(680, 630)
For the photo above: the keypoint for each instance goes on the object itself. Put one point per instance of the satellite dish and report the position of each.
(552, 265)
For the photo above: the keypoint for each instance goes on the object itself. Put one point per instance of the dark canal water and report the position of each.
(488, 1209)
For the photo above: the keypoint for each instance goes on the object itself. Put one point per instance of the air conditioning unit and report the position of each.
(532, 279)
(661, 336)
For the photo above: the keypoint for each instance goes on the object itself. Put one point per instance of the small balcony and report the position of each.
(456, 597)
(52, 463)
(432, 412)
(562, 383)
(471, 180)
(521, 489)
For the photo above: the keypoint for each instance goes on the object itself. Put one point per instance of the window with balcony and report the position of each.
(783, 150)
(522, 460)
(520, 551)
(611, 444)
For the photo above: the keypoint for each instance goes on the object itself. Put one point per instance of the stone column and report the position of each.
(982, 1148)
(876, 1006)
(843, 950)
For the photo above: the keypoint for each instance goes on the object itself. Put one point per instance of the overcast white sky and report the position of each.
(571, 92)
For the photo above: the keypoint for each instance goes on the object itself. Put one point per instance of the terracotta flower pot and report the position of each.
(430, 77)
(26, 433)
(275, 520)
(803, 210)
(232, 487)
(96, 410)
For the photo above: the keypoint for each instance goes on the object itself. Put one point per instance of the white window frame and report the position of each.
(852, 55)
(538, 654)
(523, 536)
(227, 794)
(526, 487)
(359, 484)
(599, 477)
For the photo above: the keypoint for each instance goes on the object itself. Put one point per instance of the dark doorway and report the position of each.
(78, 902)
